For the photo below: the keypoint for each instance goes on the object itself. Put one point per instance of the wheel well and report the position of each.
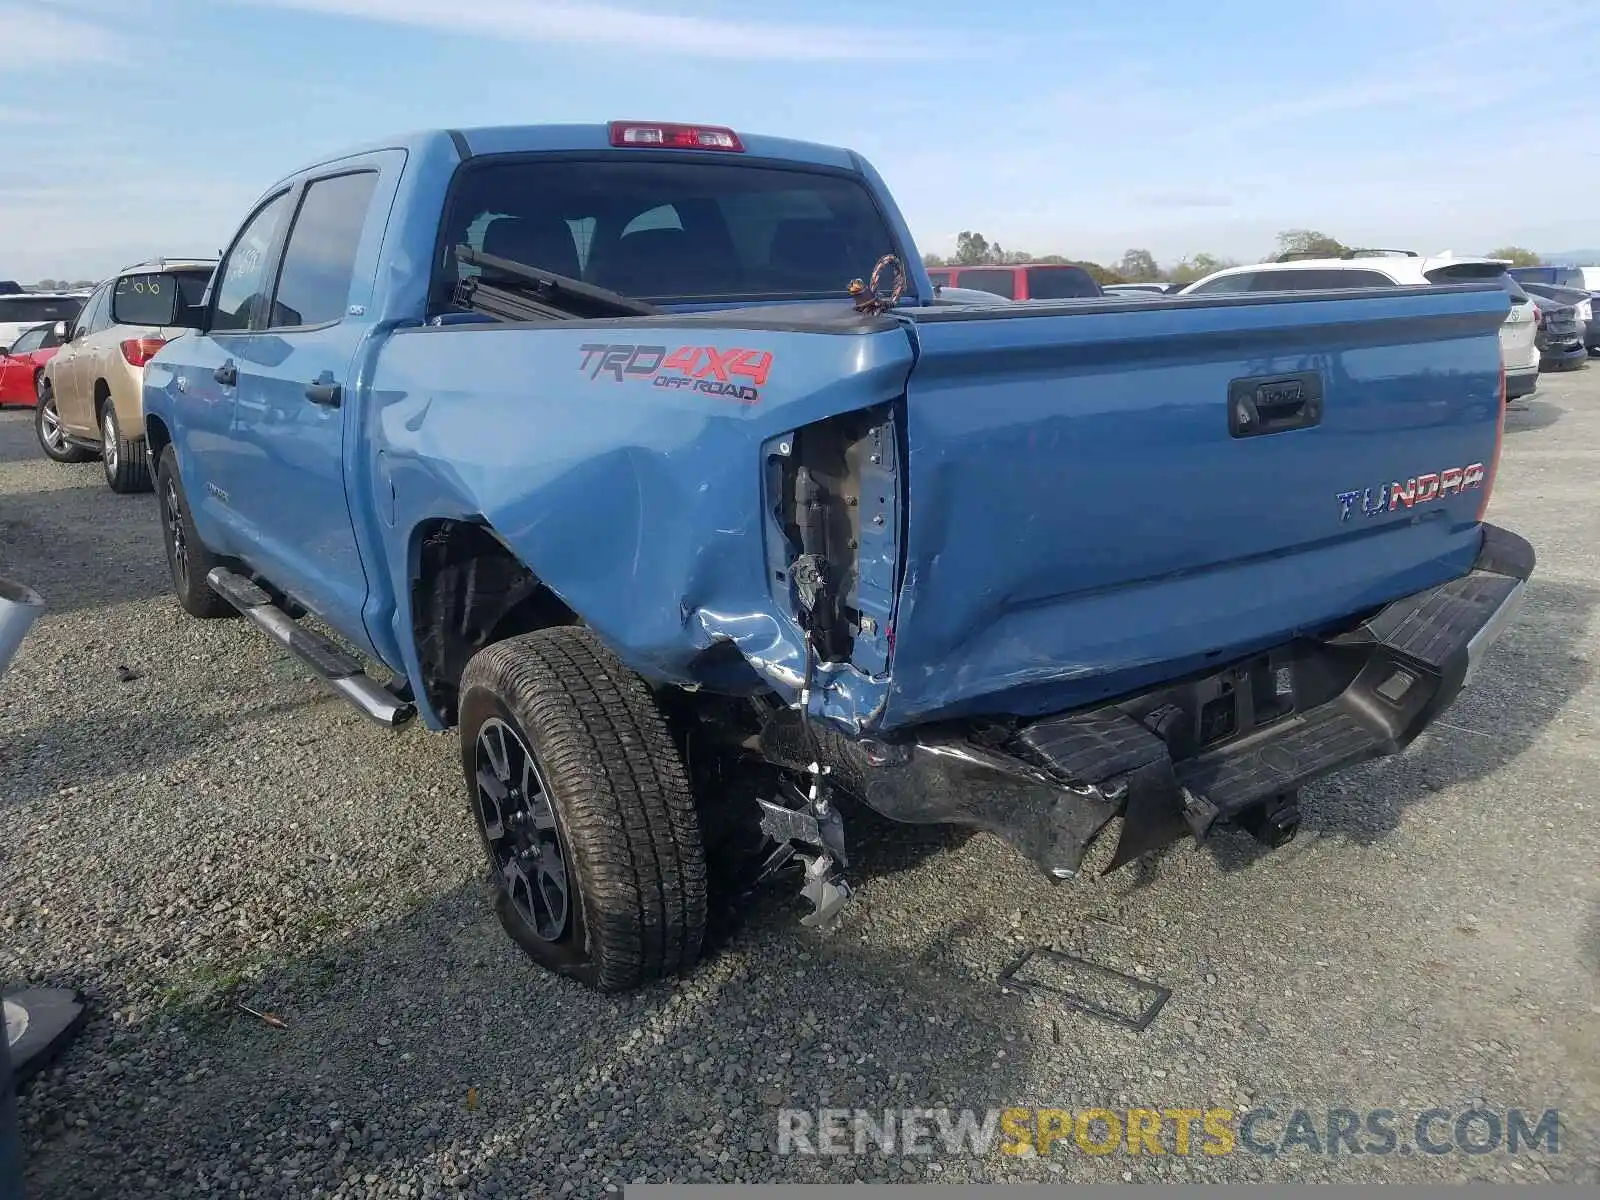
(102, 393)
(157, 437)
(469, 591)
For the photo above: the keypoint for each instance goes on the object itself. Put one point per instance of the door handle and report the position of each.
(227, 374)
(324, 391)
(1275, 404)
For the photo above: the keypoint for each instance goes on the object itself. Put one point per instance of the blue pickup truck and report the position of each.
(580, 441)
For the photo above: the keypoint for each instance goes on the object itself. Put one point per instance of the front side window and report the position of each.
(320, 257)
(242, 281)
(995, 282)
(30, 341)
(96, 311)
(667, 229)
(1227, 283)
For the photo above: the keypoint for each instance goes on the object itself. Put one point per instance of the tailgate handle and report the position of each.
(1274, 404)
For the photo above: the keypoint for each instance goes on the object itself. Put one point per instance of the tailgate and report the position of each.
(1105, 495)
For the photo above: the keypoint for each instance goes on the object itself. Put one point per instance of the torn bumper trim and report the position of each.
(1187, 756)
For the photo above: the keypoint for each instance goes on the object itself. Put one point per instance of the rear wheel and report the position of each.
(52, 434)
(188, 560)
(127, 463)
(584, 810)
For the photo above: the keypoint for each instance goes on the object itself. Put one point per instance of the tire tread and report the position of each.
(624, 796)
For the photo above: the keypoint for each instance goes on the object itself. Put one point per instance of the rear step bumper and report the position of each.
(340, 670)
(1190, 756)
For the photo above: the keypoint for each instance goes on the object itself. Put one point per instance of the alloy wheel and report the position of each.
(50, 421)
(172, 517)
(519, 825)
(108, 438)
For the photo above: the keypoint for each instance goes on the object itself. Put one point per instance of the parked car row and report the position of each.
(1551, 324)
(83, 369)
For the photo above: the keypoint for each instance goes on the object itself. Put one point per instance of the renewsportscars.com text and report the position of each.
(1212, 1132)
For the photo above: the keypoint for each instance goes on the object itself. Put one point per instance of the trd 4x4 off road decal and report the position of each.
(735, 374)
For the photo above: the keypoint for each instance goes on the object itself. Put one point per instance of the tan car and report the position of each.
(91, 398)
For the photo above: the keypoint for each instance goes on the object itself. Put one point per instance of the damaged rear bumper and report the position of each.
(1187, 757)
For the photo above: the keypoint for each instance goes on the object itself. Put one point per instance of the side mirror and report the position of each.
(146, 300)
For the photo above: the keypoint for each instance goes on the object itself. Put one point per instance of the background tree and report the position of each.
(1101, 275)
(1198, 267)
(1518, 255)
(972, 249)
(933, 260)
(1138, 266)
(1308, 243)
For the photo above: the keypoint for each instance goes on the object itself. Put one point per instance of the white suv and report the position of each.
(1397, 268)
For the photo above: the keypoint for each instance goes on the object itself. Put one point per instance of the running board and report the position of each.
(335, 666)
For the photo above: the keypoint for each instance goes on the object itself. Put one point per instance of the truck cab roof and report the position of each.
(539, 139)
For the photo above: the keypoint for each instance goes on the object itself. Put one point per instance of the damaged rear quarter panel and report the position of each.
(640, 505)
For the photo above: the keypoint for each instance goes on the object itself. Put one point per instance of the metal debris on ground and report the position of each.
(267, 1018)
(1155, 996)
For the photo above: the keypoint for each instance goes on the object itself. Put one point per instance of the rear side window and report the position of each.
(940, 278)
(1318, 280)
(1060, 283)
(995, 282)
(667, 229)
(320, 256)
(38, 308)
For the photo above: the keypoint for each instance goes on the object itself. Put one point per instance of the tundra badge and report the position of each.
(1420, 489)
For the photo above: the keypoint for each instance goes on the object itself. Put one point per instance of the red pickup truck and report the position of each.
(1022, 281)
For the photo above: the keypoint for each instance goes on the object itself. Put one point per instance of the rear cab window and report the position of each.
(1060, 283)
(997, 281)
(666, 229)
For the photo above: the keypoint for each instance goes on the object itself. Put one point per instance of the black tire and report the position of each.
(127, 463)
(188, 560)
(617, 807)
(51, 433)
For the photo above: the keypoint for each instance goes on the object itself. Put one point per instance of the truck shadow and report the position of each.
(433, 1031)
(83, 547)
(17, 442)
(1530, 413)
(1528, 679)
(68, 751)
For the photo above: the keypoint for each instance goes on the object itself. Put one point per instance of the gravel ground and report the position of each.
(207, 826)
